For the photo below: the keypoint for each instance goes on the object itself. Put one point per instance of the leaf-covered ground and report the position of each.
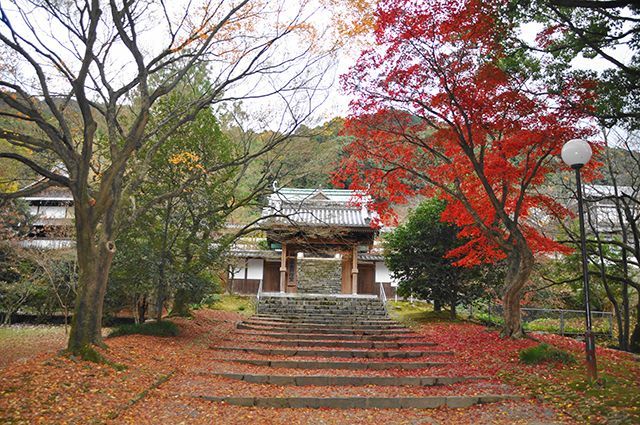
(21, 342)
(163, 374)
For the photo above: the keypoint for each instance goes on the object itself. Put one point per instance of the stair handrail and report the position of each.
(383, 295)
(258, 295)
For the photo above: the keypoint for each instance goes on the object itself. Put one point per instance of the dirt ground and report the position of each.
(157, 380)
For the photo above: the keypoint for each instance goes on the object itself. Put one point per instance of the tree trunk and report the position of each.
(622, 336)
(520, 266)
(93, 272)
(634, 341)
(181, 304)
(142, 305)
(161, 289)
(95, 250)
(437, 305)
(134, 309)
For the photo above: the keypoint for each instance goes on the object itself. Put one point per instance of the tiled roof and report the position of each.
(253, 253)
(318, 207)
(370, 257)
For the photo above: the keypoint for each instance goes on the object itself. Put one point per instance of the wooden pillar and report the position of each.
(283, 269)
(354, 271)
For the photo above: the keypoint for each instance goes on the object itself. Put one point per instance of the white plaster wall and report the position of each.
(53, 212)
(238, 271)
(255, 268)
(383, 275)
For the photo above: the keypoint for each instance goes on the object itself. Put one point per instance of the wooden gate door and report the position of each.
(271, 282)
(292, 275)
(367, 279)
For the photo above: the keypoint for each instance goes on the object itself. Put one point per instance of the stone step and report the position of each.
(347, 344)
(346, 331)
(388, 354)
(326, 305)
(361, 402)
(327, 319)
(319, 298)
(274, 325)
(334, 313)
(332, 380)
(339, 337)
(328, 322)
(341, 365)
(369, 302)
(322, 319)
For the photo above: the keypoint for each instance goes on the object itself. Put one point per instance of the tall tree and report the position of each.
(613, 233)
(88, 75)
(601, 37)
(439, 110)
(416, 253)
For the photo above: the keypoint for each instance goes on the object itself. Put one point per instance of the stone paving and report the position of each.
(343, 353)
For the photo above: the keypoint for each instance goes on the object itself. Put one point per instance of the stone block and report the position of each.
(383, 402)
(311, 380)
(406, 380)
(461, 401)
(282, 380)
(241, 401)
(271, 402)
(302, 402)
(422, 402)
(343, 402)
(257, 379)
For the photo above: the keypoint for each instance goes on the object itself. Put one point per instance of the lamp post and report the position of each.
(576, 153)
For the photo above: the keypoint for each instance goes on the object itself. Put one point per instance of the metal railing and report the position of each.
(258, 295)
(383, 296)
(554, 320)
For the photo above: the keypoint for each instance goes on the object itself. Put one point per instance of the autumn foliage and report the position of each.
(439, 110)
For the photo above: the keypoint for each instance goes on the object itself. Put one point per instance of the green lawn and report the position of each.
(19, 342)
(416, 313)
(239, 304)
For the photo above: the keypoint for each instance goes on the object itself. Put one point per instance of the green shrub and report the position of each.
(545, 353)
(210, 299)
(162, 328)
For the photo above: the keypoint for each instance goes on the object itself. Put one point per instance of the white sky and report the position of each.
(331, 101)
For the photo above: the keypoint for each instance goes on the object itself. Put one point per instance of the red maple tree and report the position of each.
(435, 112)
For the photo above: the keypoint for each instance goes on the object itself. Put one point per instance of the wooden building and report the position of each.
(53, 215)
(320, 242)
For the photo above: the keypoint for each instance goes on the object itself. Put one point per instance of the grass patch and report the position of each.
(164, 328)
(17, 332)
(574, 325)
(543, 353)
(235, 303)
(614, 399)
(416, 313)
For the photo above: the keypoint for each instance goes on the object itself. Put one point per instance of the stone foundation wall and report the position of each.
(319, 276)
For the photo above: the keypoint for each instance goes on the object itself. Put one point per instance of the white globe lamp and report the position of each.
(576, 153)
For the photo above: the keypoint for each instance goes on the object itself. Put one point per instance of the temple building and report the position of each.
(320, 241)
(53, 214)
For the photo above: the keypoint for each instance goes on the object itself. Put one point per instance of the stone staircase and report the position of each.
(310, 351)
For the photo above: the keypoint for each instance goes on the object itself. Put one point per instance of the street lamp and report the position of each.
(576, 153)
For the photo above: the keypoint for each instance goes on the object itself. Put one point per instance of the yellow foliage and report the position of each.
(352, 18)
(189, 160)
